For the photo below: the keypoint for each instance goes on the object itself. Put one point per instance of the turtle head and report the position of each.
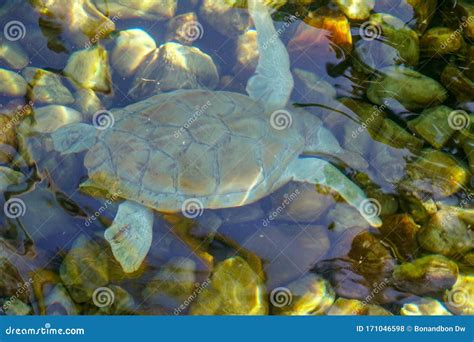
(74, 138)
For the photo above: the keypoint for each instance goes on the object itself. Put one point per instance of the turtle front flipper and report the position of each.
(272, 83)
(130, 235)
(321, 142)
(74, 138)
(318, 171)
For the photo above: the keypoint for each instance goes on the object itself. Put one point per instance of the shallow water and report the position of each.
(310, 233)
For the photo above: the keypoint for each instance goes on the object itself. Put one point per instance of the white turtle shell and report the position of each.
(215, 147)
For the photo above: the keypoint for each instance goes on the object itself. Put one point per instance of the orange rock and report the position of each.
(335, 23)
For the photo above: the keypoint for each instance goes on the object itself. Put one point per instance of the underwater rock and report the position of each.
(459, 298)
(359, 266)
(242, 214)
(304, 245)
(457, 83)
(309, 295)
(468, 259)
(87, 102)
(376, 258)
(343, 217)
(50, 118)
(89, 69)
(433, 125)
(12, 286)
(84, 269)
(301, 202)
(469, 62)
(234, 289)
(424, 307)
(356, 9)
(310, 88)
(406, 86)
(388, 163)
(400, 232)
(418, 206)
(115, 301)
(439, 41)
(350, 307)
(462, 211)
(435, 172)
(371, 116)
(131, 48)
(423, 12)
(426, 276)
(246, 54)
(465, 12)
(224, 18)
(184, 29)
(46, 87)
(359, 134)
(468, 147)
(174, 66)
(173, 284)
(13, 55)
(44, 205)
(9, 177)
(80, 18)
(446, 234)
(59, 303)
(12, 84)
(17, 307)
(8, 136)
(385, 202)
(149, 10)
(387, 41)
(391, 134)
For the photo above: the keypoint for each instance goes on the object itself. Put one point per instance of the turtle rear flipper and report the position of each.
(130, 235)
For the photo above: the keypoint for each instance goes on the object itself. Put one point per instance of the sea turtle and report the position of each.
(217, 149)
